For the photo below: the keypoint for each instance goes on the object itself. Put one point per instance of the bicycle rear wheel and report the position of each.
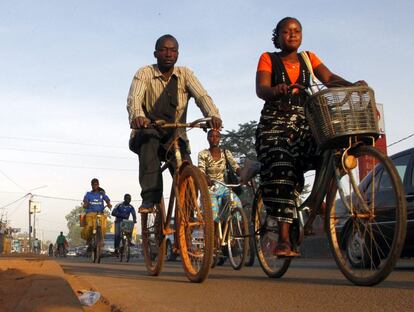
(127, 249)
(195, 224)
(265, 241)
(238, 238)
(366, 224)
(122, 249)
(153, 239)
(97, 248)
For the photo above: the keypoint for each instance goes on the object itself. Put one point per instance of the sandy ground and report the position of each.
(38, 283)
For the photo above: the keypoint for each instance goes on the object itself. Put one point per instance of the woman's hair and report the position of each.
(275, 36)
(211, 130)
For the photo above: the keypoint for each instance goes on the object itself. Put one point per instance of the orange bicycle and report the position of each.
(191, 204)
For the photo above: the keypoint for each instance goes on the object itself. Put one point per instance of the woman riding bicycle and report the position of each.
(284, 143)
(212, 162)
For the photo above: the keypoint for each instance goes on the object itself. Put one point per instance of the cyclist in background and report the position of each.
(93, 202)
(61, 241)
(212, 162)
(122, 211)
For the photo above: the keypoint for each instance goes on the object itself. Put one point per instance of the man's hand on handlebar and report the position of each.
(215, 123)
(360, 83)
(141, 122)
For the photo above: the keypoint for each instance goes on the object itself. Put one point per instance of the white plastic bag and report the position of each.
(89, 298)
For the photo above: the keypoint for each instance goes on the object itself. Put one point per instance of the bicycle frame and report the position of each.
(179, 164)
(227, 209)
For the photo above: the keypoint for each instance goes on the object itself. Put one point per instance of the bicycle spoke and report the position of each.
(367, 220)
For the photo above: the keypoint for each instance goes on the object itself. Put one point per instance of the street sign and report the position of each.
(34, 206)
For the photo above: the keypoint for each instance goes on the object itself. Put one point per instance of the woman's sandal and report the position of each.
(284, 249)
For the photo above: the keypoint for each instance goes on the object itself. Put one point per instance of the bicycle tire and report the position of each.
(265, 242)
(195, 224)
(121, 249)
(153, 239)
(367, 242)
(98, 244)
(251, 255)
(238, 238)
(217, 247)
(127, 252)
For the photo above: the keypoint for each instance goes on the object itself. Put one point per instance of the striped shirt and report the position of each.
(148, 85)
(215, 169)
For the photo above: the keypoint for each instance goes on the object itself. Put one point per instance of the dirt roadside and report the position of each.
(38, 283)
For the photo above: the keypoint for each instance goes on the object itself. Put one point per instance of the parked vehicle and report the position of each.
(404, 163)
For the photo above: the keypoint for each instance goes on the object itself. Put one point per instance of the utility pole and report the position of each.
(30, 222)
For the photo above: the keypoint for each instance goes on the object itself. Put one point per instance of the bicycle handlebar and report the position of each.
(199, 123)
(226, 185)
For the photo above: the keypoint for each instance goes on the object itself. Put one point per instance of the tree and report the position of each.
(241, 142)
(72, 219)
(74, 228)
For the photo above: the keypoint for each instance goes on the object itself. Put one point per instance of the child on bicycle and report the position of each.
(93, 202)
(284, 143)
(212, 162)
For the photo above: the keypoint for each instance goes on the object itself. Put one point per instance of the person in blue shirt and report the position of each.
(93, 202)
(122, 212)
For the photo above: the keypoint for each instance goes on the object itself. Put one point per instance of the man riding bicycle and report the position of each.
(162, 91)
(61, 242)
(122, 212)
(93, 202)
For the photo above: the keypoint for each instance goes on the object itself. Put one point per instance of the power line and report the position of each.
(13, 202)
(11, 180)
(60, 142)
(59, 198)
(403, 139)
(64, 166)
(61, 153)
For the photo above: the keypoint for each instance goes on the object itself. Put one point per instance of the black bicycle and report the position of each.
(126, 235)
(366, 230)
(97, 240)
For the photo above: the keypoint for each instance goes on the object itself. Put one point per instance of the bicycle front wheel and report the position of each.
(366, 221)
(238, 238)
(195, 224)
(122, 250)
(127, 250)
(97, 248)
(153, 239)
(265, 241)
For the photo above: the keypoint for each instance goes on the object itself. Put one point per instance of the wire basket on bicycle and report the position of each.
(336, 113)
(127, 226)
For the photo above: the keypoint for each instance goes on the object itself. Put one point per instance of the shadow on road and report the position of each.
(301, 272)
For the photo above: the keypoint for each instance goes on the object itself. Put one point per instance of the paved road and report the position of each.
(309, 285)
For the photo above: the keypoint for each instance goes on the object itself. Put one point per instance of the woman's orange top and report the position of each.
(292, 69)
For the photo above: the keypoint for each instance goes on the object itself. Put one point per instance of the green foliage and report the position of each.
(241, 142)
(72, 219)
